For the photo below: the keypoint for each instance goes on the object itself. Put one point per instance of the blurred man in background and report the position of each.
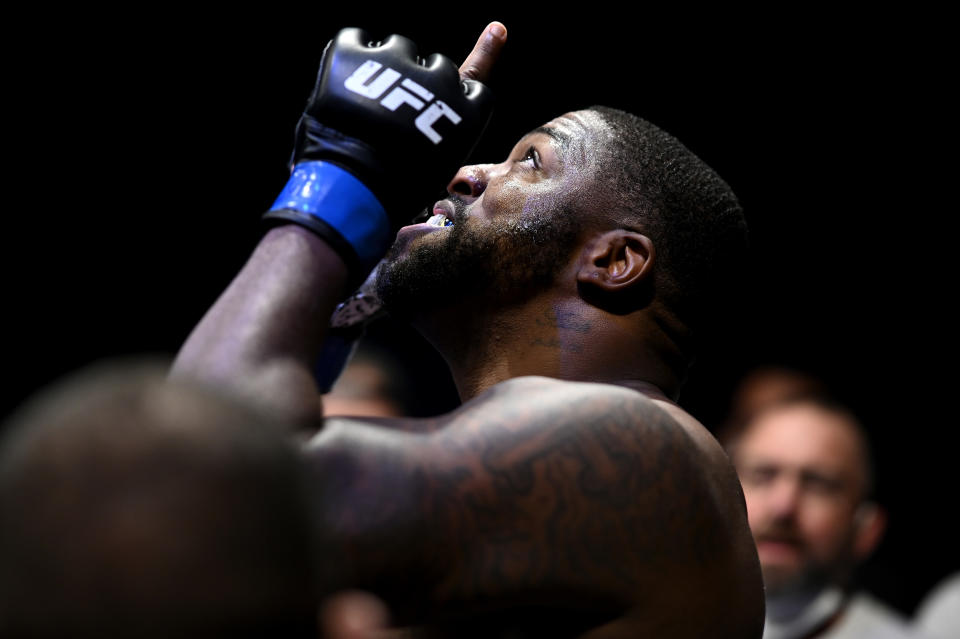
(807, 476)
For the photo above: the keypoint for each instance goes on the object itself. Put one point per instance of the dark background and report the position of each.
(145, 145)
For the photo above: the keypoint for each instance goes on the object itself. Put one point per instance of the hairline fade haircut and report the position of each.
(663, 190)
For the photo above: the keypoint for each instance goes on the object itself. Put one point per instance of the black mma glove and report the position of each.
(382, 130)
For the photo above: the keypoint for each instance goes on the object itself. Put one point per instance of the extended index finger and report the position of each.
(485, 52)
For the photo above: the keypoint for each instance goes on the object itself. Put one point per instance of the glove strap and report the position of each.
(323, 192)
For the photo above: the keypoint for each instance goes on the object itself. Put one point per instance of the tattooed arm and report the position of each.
(538, 494)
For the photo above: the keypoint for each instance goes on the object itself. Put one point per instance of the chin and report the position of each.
(781, 581)
(777, 581)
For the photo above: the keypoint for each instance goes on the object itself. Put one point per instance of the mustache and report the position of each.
(459, 208)
(780, 534)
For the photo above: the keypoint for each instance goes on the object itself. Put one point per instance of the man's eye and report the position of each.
(758, 476)
(822, 485)
(532, 156)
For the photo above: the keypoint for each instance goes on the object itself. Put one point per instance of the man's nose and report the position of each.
(470, 181)
(784, 497)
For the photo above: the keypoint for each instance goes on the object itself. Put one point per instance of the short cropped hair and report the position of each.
(663, 190)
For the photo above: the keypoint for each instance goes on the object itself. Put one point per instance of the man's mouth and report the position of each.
(443, 213)
(779, 546)
(439, 219)
(440, 215)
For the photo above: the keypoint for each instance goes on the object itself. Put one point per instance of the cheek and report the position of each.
(755, 514)
(757, 511)
(515, 196)
(507, 197)
(825, 527)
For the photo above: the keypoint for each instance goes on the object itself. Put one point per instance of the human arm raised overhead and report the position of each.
(262, 336)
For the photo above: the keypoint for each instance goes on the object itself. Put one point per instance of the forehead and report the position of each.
(579, 132)
(803, 436)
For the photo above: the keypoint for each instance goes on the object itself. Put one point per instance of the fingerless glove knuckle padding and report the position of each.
(400, 124)
(404, 117)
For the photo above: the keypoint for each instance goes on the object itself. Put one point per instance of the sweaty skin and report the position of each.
(547, 504)
(582, 502)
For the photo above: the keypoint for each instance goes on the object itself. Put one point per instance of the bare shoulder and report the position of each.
(588, 498)
(626, 494)
(523, 401)
(532, 405)
(612, 429)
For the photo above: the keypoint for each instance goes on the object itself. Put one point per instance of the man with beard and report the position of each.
(568, 495)
(806, 472)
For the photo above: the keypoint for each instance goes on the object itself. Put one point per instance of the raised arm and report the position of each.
(349, 192)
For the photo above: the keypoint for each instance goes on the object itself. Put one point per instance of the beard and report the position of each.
(491, 266)
(812, 574)
(811, 577)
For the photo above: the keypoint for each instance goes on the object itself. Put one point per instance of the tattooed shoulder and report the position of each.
(586, 486)
(587, 496)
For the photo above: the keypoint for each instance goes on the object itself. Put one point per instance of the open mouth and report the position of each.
(439, 219)
(440, 215)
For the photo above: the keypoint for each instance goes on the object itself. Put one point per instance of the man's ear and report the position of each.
(870, 522)
(616, 272)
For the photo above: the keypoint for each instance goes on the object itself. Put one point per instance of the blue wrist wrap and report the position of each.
(333, 195)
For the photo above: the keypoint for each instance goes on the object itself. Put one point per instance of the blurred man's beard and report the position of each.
(781, 581)
(485, 265)
(810, 577)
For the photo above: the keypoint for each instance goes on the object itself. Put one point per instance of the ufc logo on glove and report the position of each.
(362, 81)
(359, 169)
